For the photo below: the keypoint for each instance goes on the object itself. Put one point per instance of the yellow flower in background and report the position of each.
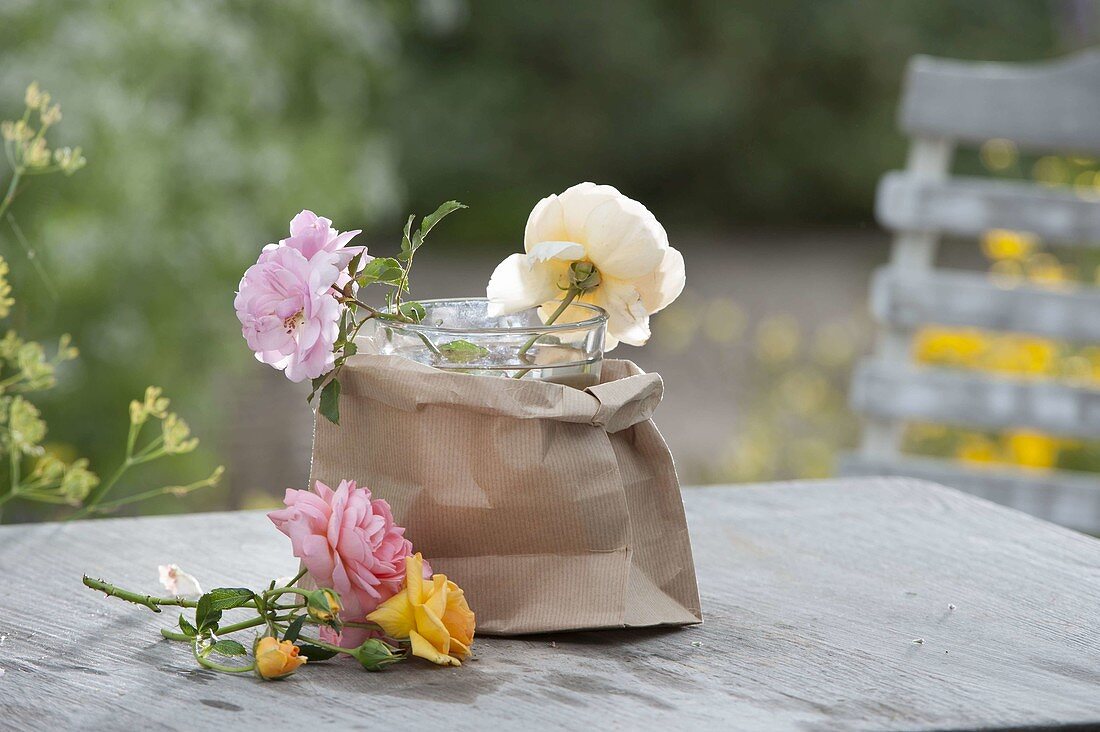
(998, 153)
(777, 338)
(1023, 355)
(954, 346)
(976, 449)
(1006, 244)
(1032, 449)
(1050, 171)
(432, 614)
(276, 659)
(1045, 269)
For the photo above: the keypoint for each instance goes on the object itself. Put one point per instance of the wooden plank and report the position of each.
(814, 596)
(976, 399)
(1051, 105)
(969, 206)
(1067, 498)
(914, 253)
(972, 299)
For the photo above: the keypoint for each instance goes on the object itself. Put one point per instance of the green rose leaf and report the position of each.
(429, 221)
(228, 647)
(382, 269)
(406, 241)
(227, 598)
(294, 628)
(315, 653)
(316, 384)
(329, 405)
(462, 351)
(188, 630)
(414, 311)
(353, 264)
(206, 617)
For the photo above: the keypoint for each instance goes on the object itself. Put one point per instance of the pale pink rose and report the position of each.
(287, 315)
(177, 582)
(314, 237)
(349, 543)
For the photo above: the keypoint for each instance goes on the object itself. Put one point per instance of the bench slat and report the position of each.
(974, 399)
(954, 298)
(1067, 498)
(970, 206)
(1046, 106)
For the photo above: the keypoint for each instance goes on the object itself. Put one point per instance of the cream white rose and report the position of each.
(592, 229)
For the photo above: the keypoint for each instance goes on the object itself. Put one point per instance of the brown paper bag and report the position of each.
(553, 508)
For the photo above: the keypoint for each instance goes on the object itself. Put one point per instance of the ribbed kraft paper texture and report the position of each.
(553, 508)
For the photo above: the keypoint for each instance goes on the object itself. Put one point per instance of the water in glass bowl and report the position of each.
(460, 335)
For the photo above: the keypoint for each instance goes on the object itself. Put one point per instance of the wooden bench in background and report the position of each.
(1040, 107)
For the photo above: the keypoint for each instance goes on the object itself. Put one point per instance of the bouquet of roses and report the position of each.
(301, 309)
(377, 600)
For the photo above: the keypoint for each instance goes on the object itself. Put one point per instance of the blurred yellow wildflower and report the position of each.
(998, 154)
(724, 321)
(974, 448)
(1050, 171)
(777, 338)
(1007, 244)
(949, 346)
(1032, 449)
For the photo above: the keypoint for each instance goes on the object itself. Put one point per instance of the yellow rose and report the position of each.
(432, 614)
(276, 659)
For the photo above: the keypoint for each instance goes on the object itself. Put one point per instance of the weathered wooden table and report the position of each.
(868, 604)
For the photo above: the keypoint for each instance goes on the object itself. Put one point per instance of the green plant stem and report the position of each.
(175, 490)
(103, 489)
(10, 195)
(149, 601)
(225, 629)
(570, 296)
(294, 580)
(13, 460)
(217, 666)
(270, 594)
(321, 644)
(32, 255)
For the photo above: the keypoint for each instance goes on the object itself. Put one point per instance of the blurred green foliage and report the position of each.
(715, 114)
(207, 125)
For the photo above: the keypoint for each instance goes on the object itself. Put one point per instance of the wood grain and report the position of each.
(973, 299)
(1069, 498)
(970, 206)
(814, 595)
(975, 398)
(1044, 106)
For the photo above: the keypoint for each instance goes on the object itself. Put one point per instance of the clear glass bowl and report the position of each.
(458, 334)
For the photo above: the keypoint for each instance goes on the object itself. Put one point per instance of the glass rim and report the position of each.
(599, 317)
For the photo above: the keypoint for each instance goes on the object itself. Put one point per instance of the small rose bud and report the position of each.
(276, 659)
(375, 655)
(584, 275)
(324, 606)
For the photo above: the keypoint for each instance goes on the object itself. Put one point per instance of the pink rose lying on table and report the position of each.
(349, 543)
